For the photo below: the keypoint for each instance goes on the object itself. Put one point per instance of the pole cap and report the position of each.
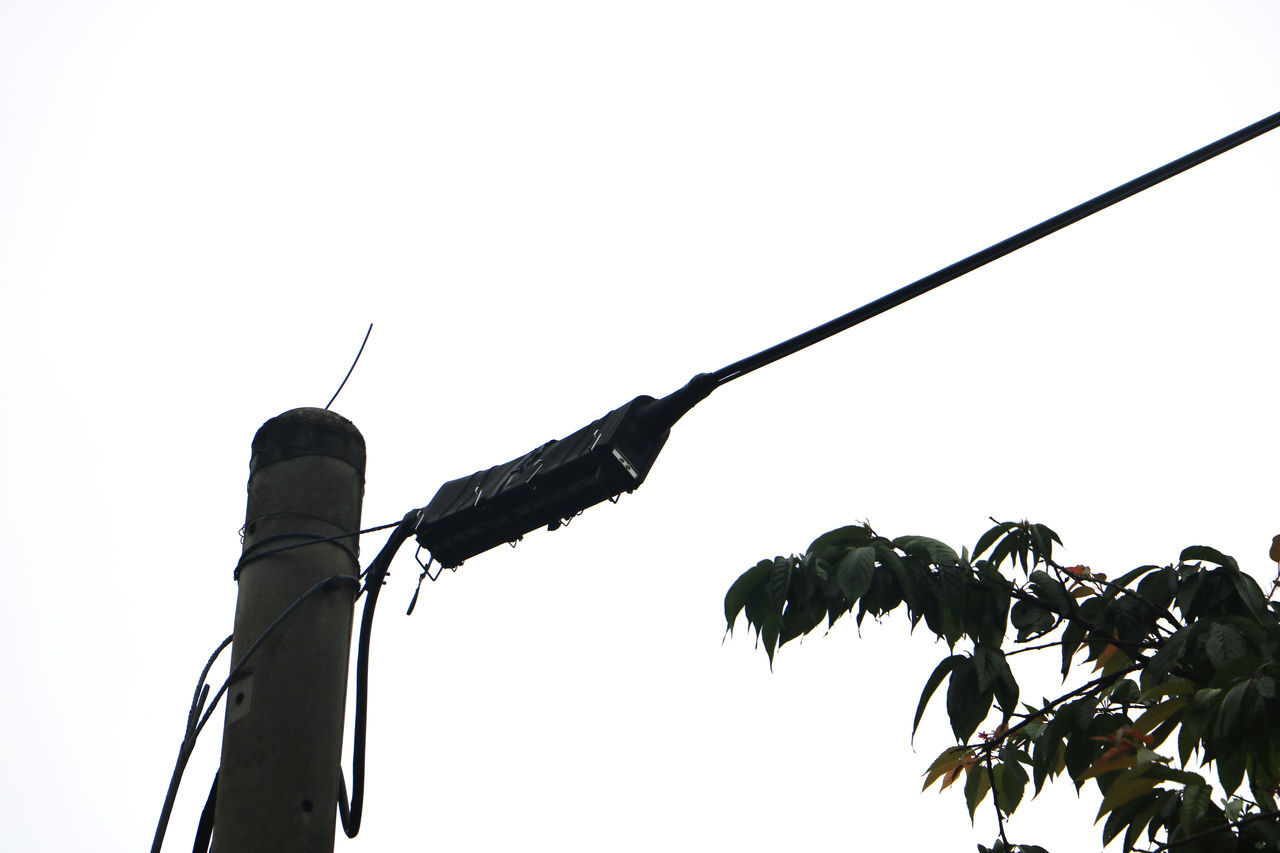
(307, 432)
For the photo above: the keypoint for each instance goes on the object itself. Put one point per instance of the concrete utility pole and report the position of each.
(282, 744)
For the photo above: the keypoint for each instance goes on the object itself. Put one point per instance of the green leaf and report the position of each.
(742, 588)
(1049, 752)
(1142, 818)
(931, 550)
(947, 761)
(1229, 712)
(1169, 653)
(1160, 587)
(1004, 547)
(967, 705)
(1195, 799)
(1124, 692)
(1132, 620)
(831, 545)
(951, 597)
(1128, 786)
(1205, 554)
(780, 582)
(1158, 714)
(994, 675)
(1262, 796)
(1123, 816)
(1251, 595)
(1046, 751)
(905, 573)
(1223, 643)
(1011, 782)
(1053, 594)
(1188, 591)
(1269, 831)
(1080, 713)
(939, 673)
(975, 788)
(889, 557)
(1045, 531)
(1122, 582)
(1072, 636)
(1082, 750)
(1030, 619)
(855, 572)
(800, 619)
(1230, 770)
(1041, 547)
(989, 664)
(988, 539)
(1172, 687)
(770, 629)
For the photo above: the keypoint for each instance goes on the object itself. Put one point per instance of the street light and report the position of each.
(554, 482)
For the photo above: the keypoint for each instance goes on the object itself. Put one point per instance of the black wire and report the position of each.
(991, 253)
(184, 750)
(324, 585)
(350, 813)
(247, 556)
(353, 367)
(202, 691)
(250, 557)
(377, 574)
(204, 829)
(284, 513)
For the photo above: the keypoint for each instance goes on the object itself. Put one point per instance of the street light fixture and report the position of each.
(554, 482)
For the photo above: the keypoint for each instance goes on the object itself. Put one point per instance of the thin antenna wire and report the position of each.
(353, 367)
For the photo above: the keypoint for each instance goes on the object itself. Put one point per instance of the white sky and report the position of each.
(547, 209)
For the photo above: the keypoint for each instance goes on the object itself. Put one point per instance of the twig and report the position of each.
(1101, 681)
(995, 801)
(1159, 611)
(1241, 822)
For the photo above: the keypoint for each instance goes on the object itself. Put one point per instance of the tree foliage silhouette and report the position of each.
(1181, 660)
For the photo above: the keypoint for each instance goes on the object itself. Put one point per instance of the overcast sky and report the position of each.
(547, 209)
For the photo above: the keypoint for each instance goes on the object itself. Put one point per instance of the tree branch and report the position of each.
(1159, 611)
(1033, 648)
(1199, 835)
(1101, 681)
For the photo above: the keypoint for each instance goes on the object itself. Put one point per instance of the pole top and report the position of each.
(307, 432)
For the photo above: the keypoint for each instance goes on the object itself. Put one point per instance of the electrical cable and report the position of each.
(188, 743)
(250, 557)
(376, 575)
(614, 454)
(202, 692)
(324, 585)
(991, 253)
(204, 829)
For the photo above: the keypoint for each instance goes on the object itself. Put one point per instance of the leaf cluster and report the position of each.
(1182, 657)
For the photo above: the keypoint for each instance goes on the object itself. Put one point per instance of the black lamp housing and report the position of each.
(551, 484)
